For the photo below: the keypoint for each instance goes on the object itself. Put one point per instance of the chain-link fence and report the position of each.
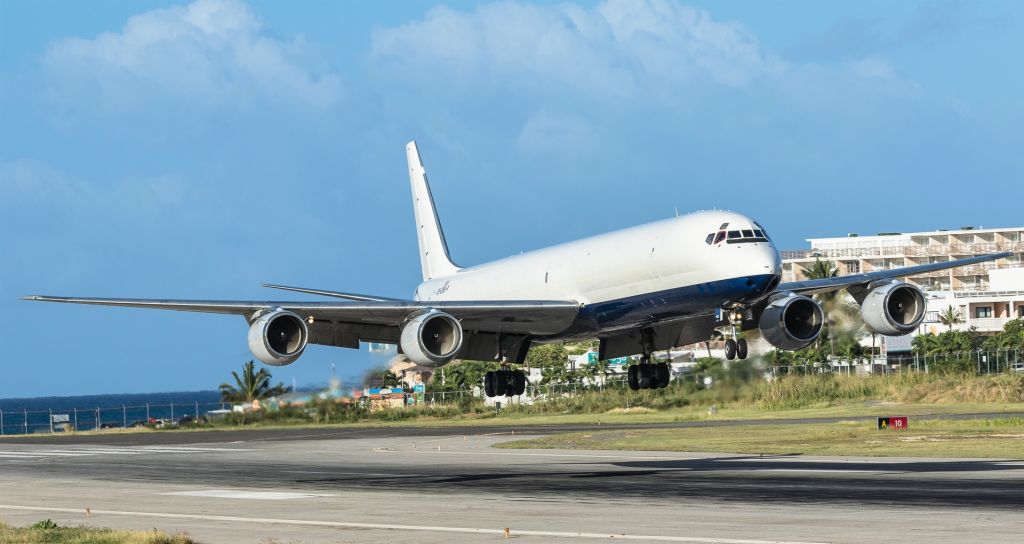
(26, 421)
(86, 419)
(980, 361)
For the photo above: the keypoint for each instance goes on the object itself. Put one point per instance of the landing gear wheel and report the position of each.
(633, 377)
(518, 382)
(730, 349)
(741, 349)
(662, 375)
(501, 383)
(489, 384)
(646, 374)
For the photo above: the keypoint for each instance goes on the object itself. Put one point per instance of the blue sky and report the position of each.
(195, 150)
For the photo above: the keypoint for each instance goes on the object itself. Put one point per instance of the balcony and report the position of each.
(986, 324)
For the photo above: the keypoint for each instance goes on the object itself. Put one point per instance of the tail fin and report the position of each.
(434, 257)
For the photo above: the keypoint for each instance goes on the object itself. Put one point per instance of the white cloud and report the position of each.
(608, 50)
(621, 49)
(546, 132)
(34, 185)
(210, 51)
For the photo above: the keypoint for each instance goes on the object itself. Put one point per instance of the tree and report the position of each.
(835, 311)
(460, 375)
(1011, 337)
(949, 317)
(251, 385)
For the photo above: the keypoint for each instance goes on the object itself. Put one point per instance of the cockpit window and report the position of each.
(723, 227)
(710, 239)
(720, 237)
(747, 236)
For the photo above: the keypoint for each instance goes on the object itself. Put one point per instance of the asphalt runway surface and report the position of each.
(450, 485)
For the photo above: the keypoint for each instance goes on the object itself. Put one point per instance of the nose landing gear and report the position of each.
(735, 347)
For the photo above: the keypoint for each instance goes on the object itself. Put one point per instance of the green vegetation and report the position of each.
(997, 438)
(250, 385)
(48, 532)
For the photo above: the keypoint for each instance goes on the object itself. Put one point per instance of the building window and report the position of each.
(852, 267)
(982, 312)
(1020, 311)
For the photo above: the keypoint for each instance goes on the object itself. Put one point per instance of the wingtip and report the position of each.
(31, 297)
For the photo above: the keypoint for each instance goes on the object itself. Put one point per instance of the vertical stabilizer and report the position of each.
(434, 258)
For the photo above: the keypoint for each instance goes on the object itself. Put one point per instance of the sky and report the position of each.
(195, 150)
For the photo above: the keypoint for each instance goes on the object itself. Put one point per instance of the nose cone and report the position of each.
(763, 271)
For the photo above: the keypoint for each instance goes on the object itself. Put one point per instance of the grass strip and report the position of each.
(48, 532)
(988, 438)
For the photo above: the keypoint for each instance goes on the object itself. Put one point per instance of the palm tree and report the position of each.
(950, 316)
(250, 385)
(829, 300)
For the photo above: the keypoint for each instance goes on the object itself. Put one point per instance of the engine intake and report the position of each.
(791, 321)
(278, 337)
(431, 338)
(894, 309)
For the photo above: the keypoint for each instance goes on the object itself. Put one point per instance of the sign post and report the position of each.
(894, 422)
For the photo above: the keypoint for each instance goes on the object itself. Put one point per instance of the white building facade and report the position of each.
(985, 295)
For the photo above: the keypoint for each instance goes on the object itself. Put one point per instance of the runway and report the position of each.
(434, 486)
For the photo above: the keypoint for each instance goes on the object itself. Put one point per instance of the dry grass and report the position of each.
(825, 390)
(993, 438)
(47, 532)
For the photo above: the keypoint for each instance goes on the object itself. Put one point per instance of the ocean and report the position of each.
(86, 412)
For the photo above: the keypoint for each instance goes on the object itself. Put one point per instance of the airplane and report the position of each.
(638, 290)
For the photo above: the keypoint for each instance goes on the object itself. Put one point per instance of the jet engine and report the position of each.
(791, 321)
(278, 337)
(894, 309)
(431, 338)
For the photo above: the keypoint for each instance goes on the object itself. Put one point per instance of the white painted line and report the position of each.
(30, 454)
(388, 526)
(238, 494)
(524, 454)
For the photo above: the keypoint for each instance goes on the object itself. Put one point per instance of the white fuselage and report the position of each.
(622, 265)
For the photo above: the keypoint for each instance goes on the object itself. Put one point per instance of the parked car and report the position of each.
(1017, 367)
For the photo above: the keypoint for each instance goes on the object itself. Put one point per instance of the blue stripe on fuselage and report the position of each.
(647, 309)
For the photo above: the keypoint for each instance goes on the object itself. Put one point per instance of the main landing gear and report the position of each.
(505, 383)
(647, 375)
(735, 348)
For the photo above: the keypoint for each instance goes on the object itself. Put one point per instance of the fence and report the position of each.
(983, 361)
(51, 420)
(85, 419)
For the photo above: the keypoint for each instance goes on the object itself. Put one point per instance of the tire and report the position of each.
(501, 383)
(730, 349)
(646, 374)
(519, 382)
(489, 384)
(741, 349)
(634, 378)
(663, 375)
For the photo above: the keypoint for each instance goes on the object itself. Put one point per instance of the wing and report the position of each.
(326, 293)
(346, 323)
(809, 287)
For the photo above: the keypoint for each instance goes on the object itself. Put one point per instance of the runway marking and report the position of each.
(524, 454)
(239, 494)
(102, 450)
(389, 526)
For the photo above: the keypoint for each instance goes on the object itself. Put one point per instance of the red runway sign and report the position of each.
(892, 422)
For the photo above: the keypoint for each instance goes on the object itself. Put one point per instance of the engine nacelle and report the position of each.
(791, 321)
(431, 338)
(894, 309)
(278, 337)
